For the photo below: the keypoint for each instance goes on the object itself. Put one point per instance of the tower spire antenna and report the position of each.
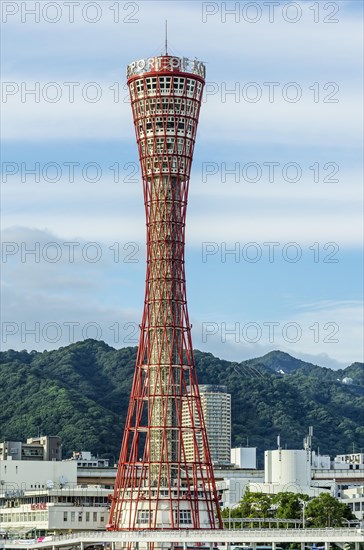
(166, 38)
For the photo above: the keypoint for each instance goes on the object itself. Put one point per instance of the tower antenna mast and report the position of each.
(166, 38)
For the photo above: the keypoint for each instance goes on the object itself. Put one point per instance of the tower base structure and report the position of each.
(139, 513)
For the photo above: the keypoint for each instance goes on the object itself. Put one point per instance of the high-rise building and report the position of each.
(216, 408)
(157, 485)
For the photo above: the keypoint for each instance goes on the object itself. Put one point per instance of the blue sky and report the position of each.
(315, 302)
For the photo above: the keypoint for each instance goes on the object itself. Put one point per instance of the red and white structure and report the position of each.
(158, 486)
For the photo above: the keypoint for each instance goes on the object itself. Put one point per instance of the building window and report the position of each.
(191, 85)
(185, 517)
(94, 516)
(73, 516)
(143, 516)
(65, 516)
(151, 84)
(165, 83)
(178, 84)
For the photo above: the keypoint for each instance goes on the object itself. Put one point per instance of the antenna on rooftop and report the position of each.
(166, 38)
(279, 447)
(307, 442)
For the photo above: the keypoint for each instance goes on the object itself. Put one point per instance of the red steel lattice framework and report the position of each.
(165, 478)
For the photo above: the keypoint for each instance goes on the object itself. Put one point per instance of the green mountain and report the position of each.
(279, 362)
(81, 393)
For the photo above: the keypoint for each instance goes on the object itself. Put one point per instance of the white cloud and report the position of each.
(231, 211)
(46, 296)
(304, 52)
(72, 119)
(233, 40)
(56, 292)
(326, 333)
(225, 119)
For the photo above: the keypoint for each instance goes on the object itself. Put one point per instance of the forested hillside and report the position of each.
(81, 393)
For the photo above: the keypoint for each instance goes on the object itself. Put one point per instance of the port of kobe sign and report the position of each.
(166, 63)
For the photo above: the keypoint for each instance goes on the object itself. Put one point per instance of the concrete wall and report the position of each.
(33, 474)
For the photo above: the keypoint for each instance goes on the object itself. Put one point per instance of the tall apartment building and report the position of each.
(216, 408)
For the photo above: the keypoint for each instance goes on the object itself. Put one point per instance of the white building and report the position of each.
(285, 467)
(320, 462)
(353, 461)
(233, 488)
(53, 511)
(231, 483)
(85, 459)
(287, 470)
(354, 498)
(33, 474)
(244, 457)
(41, 498)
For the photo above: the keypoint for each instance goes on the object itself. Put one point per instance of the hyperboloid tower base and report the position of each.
(159, 484)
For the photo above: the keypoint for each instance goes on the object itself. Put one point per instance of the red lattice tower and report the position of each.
(165, 478)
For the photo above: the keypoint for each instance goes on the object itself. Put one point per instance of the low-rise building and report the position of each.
(44, 448)
(352, 461)
(354, 498)
(288, 470)
(33, 474)
(85, 459)
(320, 462)
(51, 511)
(344, 472)
(43, 498)
(244, 457)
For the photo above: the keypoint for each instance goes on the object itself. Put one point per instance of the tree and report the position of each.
(252, 505)
(289, 505)
(82, 391)
(255, 505)
(326, 511)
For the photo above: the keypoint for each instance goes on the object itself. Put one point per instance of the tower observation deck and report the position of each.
(158, 485)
